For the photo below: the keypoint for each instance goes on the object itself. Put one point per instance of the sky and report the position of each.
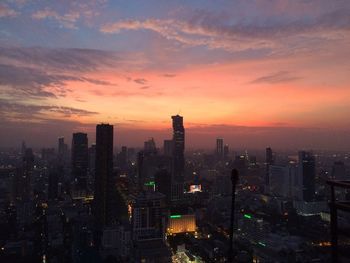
(257, 73)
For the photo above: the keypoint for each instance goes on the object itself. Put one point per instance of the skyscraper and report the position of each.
(219, 148)
(178, 146)
(268, 161)
(24, 176)
(177, 184)
(80, 159)
(226, 151)
(307, 174)
(62, 151)
(150, 146)
(103, 173)
(168, 147)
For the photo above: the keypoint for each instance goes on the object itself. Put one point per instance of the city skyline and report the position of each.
(259, 73)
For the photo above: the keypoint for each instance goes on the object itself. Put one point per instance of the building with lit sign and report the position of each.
(181, 224)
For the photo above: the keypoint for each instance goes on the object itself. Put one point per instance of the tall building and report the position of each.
(168, 147)
(148, 218)
(92, 159)
(150, 146)
(280, 180)
(268, 161)
(307, 175)
(80, 159)
(103, 174)
(24, 174)
(220, 148)
(163, 184)
(179, 146)
(226, 151)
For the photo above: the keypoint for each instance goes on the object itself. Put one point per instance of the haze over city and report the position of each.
(254, 72)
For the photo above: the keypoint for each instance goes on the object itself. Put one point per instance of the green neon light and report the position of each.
(151, 183)
(262, 244)
(247, 216)
(175, 216)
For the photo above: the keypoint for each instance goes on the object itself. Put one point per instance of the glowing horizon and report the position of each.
(251, 72)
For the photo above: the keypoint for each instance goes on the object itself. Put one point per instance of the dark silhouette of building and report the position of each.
(220, 148)
(54, 176)
(122, 158)
(178, 156)
(179, 146)
(92, 159)
(163, 184)
(103, 174)
(168, 147)
(226, 151)
(62, 149)
(24, 176)
(268, 161)
(308, 173)
(150, 146)
(80, 159)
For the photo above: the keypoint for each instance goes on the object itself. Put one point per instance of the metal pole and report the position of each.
(234, 180)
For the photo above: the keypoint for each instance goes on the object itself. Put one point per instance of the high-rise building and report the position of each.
(22, 181)
(168, 147)
(179, 146)
(307, 174)
(148, 218)
(226, 151)
(92, 159)
(163, 184)
(103, 174)
(268, 161)
(80, 159)
(220, 148)
(62, 151)
(280, 180)
(150, 146)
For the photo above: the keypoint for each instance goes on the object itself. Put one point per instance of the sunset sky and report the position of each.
(257, 73)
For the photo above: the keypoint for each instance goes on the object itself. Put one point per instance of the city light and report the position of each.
(151, 183)
(175, 216)
(262, 244)
(247, 216)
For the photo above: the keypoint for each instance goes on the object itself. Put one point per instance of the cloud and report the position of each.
(278, 77)
(25, 82)
(169, 75)
(145, 87)
(203, 28)
(140, 81)
(12, 110)
(38, 73)
(67, 20)
(59, 59)
(5, 11)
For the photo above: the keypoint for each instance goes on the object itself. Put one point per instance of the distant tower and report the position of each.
(226, 151)
(168, 147)
(178, 158)
(80, 159)
(62, 150)
(179, 146)
(24, 176)
(150, 146)
(307, 173)
(268, 161)
(103, 174)
(219, 148)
